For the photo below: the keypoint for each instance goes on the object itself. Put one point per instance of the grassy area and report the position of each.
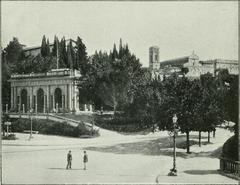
(52, 128)
(84, 118)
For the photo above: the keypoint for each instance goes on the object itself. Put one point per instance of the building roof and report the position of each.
(221, 61)
(33, 48)
(38, 47)
(175, 62)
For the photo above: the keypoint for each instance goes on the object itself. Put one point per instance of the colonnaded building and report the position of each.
(193, 66)
(53, 91)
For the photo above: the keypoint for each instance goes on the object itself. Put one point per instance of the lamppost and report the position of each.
(31, 111)
(173, 171)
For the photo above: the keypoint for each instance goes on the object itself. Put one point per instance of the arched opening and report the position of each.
(40, 100)
(58, 97)
(24, 100)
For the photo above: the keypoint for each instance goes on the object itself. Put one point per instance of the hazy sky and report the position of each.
(178, 28)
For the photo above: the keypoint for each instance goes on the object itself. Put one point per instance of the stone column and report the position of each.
(53, 101)
(63, 106)
(18, 104)
(15, 98)
(76, 99)
(12, 96)
(70, 97)
(57, 107)
(31, 97)
(36, 104)
(20, 101)
(44, 103)
(33, 101)
(6, 108)
(28, 103)
(48, 99)
(23, 108)
(76, 105)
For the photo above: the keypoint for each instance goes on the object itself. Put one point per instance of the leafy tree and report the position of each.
(13, 51)
(111, 77)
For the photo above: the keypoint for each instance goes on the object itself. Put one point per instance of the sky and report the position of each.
(177, 28)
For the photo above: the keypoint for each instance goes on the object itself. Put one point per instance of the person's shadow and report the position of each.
(201, 172)
(66, 169)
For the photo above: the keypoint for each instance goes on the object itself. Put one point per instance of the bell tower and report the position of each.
(154, 63)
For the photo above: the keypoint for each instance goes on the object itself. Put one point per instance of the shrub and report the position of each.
(9, 137)
(51, 127)
(122, 124)
(230, 148)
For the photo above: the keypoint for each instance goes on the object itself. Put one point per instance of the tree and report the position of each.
(45, 48)
(6, 88)
(111, 77)
(63, 62)
(81, 56)
(69, 55)
(55, 46)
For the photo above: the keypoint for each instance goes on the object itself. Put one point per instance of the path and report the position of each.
(113, 158)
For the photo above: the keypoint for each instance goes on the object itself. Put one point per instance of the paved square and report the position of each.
(113, 158)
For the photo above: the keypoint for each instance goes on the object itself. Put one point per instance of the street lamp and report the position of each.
(173, 171)
(31, 111)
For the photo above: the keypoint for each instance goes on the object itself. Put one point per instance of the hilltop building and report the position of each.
(191, 65)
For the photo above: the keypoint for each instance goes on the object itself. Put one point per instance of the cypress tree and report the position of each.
(81, 56)
(47, 48)
(63, 54)
(55, 46)
(120, 49)
(69, 56)
(115, 52)
(44, 47)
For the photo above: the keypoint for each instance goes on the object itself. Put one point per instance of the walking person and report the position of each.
(85, 159)
(69, 160)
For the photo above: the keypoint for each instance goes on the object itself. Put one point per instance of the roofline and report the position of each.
(37, 47)
(179, 58)
(34, 47)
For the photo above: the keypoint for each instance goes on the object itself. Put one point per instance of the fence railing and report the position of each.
(230, 166)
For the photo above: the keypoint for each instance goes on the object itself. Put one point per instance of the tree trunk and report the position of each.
(214, 133)
(208, 136)
(3, 129)
(199, 139)
(188, 145)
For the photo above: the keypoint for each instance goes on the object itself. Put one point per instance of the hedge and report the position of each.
(230, 148)
(122, 124)
(51, 127)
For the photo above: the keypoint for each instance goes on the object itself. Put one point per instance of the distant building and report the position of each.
(190, 65)
(34, 51)
(154, 61)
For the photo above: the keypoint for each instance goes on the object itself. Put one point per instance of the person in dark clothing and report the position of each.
(69, 160)
(85, 159)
